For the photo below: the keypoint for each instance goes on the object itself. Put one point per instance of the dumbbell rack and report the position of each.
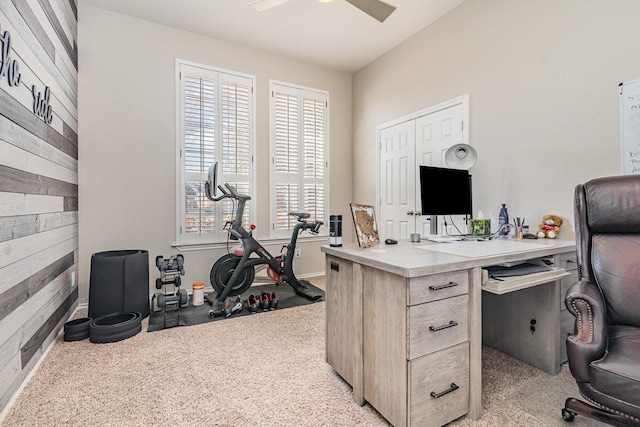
(166, 301)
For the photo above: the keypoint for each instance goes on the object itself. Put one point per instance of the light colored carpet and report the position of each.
(266, 369)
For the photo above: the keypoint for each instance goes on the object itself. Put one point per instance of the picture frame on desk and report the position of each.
(364, 220)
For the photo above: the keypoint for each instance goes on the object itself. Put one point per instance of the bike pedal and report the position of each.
(233, 306)
(237, 305)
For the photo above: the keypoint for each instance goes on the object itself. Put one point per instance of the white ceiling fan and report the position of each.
(375, 8)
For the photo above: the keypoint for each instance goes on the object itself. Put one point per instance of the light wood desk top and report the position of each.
(409, 259)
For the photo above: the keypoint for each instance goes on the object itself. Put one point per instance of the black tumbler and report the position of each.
(335, 230)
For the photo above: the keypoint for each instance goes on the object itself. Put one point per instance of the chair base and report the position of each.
(573, 407)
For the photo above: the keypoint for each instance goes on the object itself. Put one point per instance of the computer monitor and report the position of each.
(210, 185)
(444, 191)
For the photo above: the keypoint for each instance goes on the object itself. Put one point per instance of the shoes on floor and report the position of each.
(252, 304)
(264, 301)
(273, 301)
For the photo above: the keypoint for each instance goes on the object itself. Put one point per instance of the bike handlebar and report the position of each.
(231, 193)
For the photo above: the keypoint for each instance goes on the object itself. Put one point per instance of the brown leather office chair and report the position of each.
(604, 353)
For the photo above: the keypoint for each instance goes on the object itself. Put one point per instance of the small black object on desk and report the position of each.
(390, 242)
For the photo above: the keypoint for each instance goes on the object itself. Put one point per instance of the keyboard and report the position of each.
(445, 239)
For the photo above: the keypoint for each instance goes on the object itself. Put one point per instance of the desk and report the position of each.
(404, 323)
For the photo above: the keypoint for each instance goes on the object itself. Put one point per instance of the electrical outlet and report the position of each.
(298, 252)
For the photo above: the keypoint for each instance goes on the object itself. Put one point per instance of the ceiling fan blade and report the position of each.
(374, 8)
(262, 5)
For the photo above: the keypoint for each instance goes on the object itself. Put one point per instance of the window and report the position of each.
(215, 123)
(299, 155)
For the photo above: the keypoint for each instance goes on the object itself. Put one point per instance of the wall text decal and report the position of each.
(41, 104)
(10, 69)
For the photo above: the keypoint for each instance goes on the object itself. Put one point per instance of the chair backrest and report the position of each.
(607, 215)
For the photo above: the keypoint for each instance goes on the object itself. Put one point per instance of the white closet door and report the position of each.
(435, 133)
(397, 181)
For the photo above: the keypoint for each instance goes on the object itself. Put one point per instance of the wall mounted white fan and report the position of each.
(375, 8)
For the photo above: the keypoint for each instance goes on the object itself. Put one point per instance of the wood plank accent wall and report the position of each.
(38, 185)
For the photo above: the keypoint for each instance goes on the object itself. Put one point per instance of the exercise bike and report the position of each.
(233, 273)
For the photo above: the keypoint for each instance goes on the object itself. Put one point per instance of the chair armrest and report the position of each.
(584, 300)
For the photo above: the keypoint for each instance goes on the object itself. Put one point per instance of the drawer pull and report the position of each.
(335, 266)
(439, 328)
(435, 395)
(448, 285)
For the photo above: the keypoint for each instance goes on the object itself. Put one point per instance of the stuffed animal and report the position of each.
(550, 227)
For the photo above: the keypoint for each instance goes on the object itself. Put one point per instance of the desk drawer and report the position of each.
(438, 286)
(437, 373)
(437, 325)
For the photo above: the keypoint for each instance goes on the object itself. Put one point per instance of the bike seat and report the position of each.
(300, 215)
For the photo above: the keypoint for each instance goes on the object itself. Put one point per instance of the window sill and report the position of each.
(185, 247)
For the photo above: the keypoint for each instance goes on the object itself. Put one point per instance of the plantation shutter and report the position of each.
(236, 142)
(313, 123)
(299, 147)
(216, 122)
(199, 151)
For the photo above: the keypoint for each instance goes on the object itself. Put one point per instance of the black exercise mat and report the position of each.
(200, 314)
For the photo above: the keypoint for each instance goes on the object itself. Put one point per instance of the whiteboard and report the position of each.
(630, 127)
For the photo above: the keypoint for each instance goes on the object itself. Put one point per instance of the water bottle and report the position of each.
(503, 219)
(494, 222)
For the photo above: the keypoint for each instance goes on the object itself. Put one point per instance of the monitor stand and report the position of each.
(433, 224)
(433, 230)
(435, 237)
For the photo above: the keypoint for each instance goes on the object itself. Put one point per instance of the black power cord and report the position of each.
(464, 236)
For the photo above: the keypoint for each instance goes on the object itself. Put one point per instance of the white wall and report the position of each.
(543, 83)
(542, 78)
(127, 159)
